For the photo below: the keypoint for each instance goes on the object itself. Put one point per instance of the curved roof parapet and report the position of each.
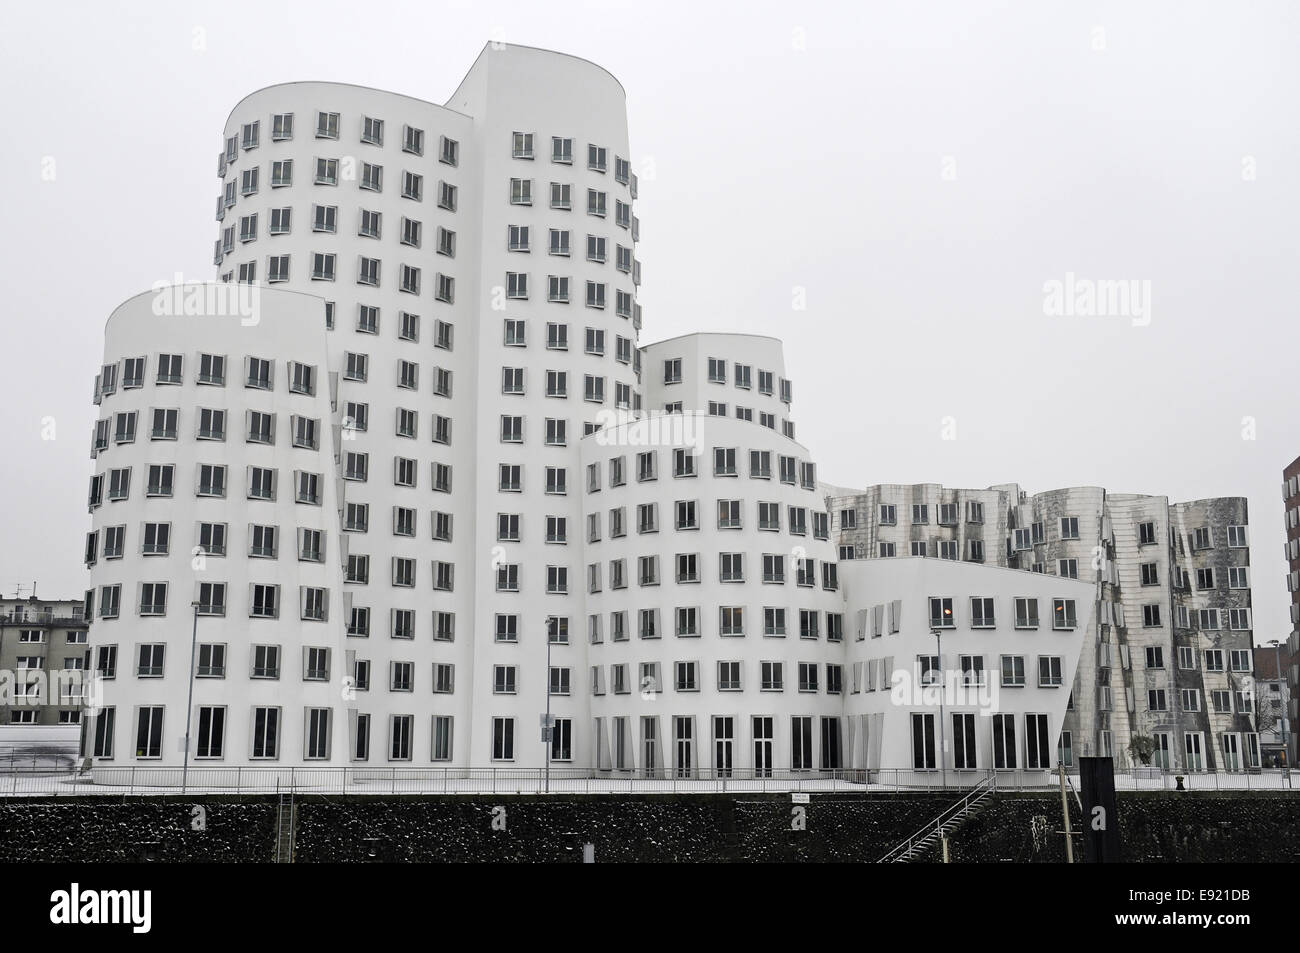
(495, 46)
(1210, 499)
(326, 82)
(714, 334)
(176, 291)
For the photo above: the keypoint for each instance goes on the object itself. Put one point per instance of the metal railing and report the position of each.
(43, 618)
(936, 826)
(56, 773)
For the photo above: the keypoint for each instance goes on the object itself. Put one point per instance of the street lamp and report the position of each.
(943, 744)
(547, 727)
(189, 705)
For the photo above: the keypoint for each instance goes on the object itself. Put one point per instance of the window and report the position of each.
(212, 424)
(265, 601)
(941, 612)
(170, 369)
(149, 663)
(1049, 671)
(148, 739)
(521, 191)
(119, 483)
(729, 677)
(1013, 671)
(401, 676)
(372, 131)
(444, 678)
(1063, 614)
(413, 140)
(771, 679)
(448, 151)
(503, 739)
(731, 621)
(981, 613)
(156, 538)
(327, 171)
(281, 127)
(923, 742)
(686, 676)
(314, 602)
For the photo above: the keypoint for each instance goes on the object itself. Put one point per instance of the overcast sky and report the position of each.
(914, 173)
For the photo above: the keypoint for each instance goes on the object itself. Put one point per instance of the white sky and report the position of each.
(780, 145)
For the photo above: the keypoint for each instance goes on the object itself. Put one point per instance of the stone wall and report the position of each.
(672, 828)
(1156, 827)
(97, 830)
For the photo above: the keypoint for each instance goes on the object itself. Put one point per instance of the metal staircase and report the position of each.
(284, 833)
(949, 819)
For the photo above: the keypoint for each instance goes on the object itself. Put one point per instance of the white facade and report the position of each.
(1008, 647)
(194, 509)
(1169, 657)
(446, 312)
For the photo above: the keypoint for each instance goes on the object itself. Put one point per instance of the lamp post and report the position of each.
(943, 744)
(189, 704)
(547, 728)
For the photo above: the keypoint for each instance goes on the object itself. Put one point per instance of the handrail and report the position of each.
(986, 786)
(52, 770)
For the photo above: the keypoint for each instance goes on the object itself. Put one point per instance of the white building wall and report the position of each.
(382, 350)
(287, 329)
(545, 95)
(707, 698)
(897, 593)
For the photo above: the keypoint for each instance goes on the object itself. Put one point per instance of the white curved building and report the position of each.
(419, 438)
(214, 502)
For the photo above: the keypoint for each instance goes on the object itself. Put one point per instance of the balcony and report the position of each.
(43, 619)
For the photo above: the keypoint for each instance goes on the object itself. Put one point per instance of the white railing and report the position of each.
(34, 774)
